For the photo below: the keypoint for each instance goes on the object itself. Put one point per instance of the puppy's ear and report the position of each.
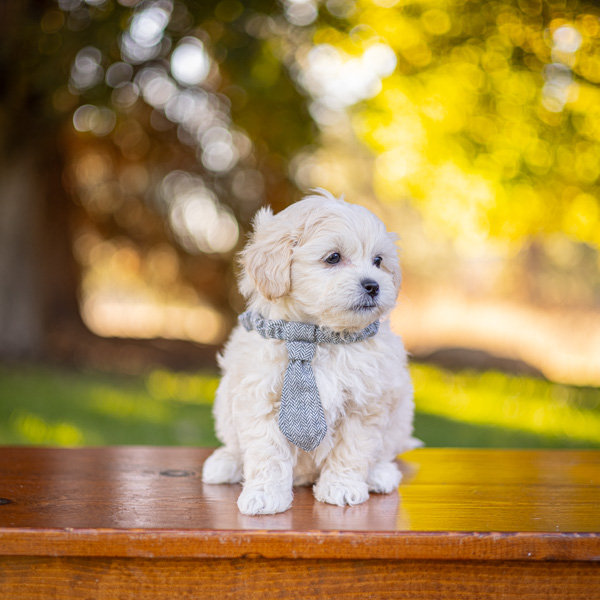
(267, 258)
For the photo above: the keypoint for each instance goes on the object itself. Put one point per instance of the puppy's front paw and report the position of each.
(259, 502)
(341, 492)
(384, 478)
(222, 466)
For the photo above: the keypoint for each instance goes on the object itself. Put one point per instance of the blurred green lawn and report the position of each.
(466, 409)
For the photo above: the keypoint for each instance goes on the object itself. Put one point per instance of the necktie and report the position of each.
(301, 417)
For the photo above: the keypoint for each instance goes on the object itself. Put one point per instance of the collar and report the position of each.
(296, 331)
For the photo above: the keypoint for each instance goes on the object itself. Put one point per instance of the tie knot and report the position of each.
(303, 351)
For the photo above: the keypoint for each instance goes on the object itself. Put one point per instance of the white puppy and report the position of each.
(331, 264)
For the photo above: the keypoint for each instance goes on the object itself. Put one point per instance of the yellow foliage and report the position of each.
(492, 112)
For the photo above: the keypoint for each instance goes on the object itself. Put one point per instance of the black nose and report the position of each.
(371, 287)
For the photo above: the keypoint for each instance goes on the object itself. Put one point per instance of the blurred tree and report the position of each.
(490, 120)
(162, 122)
(485, 116)
(34, 251)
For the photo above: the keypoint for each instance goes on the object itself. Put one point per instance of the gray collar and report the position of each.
(301, 417)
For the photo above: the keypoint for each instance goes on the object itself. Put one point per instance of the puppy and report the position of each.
(329, 264)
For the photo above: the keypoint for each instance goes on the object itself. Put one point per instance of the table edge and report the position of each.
(357, 545)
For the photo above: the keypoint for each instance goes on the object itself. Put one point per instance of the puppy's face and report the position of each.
(325, 261)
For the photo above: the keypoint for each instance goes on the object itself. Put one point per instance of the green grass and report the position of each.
(492, 409)
(53, 407)
(41, 406)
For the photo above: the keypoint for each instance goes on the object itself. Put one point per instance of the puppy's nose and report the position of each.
(371, 287)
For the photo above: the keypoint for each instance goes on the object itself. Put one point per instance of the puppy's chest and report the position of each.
(347, 374)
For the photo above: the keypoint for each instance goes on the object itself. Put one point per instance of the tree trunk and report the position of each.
(21, 321)
(38, 281)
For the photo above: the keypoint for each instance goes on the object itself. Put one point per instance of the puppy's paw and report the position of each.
(341, 492)
(254, 501)
(384, 478)
(222, 466)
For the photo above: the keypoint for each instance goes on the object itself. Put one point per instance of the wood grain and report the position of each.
(161, 488)
(132, 579)
(137, 522)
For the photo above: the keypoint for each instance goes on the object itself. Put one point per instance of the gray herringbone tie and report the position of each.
(301, 417)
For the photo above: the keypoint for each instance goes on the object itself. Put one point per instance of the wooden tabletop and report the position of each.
(148, 501)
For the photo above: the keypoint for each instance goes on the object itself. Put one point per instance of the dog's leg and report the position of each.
(341, 488)
(352, 468)
(268, 468)
(224, 465)
(384, 477)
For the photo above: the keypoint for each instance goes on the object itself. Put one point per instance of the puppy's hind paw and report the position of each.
(222, 466)
(260, 502)
(341, 492)
(384, 478)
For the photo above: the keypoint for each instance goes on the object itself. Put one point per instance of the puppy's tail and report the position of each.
(412, 443)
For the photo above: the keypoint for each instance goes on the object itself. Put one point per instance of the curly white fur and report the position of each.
(364, 387)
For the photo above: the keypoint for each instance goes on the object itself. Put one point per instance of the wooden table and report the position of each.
(137, 522)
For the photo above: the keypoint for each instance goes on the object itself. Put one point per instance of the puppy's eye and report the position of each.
(334, 258)
(377, 261)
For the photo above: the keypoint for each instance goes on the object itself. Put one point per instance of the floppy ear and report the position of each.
(267, 258)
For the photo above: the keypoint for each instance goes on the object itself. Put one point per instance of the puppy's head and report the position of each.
(322, 260)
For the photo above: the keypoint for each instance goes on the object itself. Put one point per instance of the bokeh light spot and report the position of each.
(190, 63)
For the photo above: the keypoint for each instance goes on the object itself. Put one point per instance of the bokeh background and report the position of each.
(139, 137)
